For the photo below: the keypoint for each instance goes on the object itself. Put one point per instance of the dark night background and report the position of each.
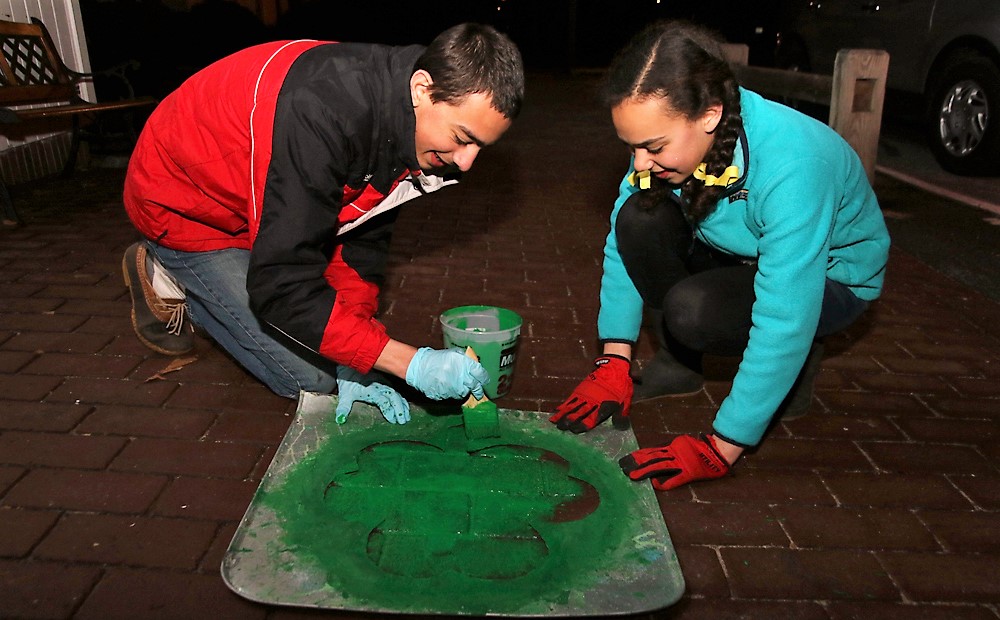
(553, 35)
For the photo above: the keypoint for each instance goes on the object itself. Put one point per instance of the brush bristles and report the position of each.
(481, 421)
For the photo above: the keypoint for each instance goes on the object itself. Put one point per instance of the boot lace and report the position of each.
(177, 310)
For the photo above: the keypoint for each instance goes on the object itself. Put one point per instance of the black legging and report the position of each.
(706, 297)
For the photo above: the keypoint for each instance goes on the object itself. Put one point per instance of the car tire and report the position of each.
(963, 118)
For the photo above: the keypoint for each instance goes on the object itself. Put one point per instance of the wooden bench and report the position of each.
(33, 74)
(855, 93)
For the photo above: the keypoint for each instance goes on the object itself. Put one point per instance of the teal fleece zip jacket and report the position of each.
(806, 213)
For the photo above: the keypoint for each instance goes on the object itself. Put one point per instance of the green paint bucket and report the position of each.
(492, 333)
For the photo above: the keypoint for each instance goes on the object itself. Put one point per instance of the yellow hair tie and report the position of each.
(642, 176)
(731, 174)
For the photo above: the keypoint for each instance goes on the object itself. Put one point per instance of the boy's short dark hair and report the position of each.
(475, 58)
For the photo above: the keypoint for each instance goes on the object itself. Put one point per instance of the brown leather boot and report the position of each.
(159, 323)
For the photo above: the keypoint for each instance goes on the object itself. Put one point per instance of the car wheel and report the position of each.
(963, 121)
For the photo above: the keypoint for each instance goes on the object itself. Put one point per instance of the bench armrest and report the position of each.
(117, 72)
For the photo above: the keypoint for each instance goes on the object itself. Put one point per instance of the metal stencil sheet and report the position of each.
(636, 572)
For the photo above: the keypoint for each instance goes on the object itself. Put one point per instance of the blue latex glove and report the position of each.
(354, 387)
(446, 373)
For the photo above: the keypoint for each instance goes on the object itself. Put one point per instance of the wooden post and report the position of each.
(856, 101)
(855, 93)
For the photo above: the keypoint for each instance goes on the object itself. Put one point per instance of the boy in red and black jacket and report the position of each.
(266, 186)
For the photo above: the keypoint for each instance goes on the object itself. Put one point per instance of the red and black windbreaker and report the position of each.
(298, 151)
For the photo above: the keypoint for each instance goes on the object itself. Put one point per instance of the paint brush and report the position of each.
(479, 414)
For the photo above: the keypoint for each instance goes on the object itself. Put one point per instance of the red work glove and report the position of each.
(605, 393)
(685, 460)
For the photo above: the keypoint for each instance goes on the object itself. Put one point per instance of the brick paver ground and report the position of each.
(120, 492)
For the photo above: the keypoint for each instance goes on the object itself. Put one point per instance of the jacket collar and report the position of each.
(400, 104)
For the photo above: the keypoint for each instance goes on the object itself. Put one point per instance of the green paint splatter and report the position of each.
(418, 518)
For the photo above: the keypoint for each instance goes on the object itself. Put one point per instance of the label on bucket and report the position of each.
(505, 376)
(508, 357)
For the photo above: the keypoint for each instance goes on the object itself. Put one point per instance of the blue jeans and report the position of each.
(218, 302)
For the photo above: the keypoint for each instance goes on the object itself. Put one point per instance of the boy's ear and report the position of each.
(420, 87)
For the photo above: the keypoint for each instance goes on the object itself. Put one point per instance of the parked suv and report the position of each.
(948, 51)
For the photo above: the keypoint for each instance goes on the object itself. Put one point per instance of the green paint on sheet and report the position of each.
(417, 517)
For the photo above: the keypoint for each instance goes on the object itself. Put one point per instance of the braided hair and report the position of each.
(682, 64)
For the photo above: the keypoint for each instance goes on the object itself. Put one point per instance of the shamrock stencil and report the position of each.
(422, 510)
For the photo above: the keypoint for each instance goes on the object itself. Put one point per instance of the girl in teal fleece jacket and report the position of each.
(745, 227)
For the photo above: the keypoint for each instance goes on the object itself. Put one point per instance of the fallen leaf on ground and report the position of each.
(175, 364)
